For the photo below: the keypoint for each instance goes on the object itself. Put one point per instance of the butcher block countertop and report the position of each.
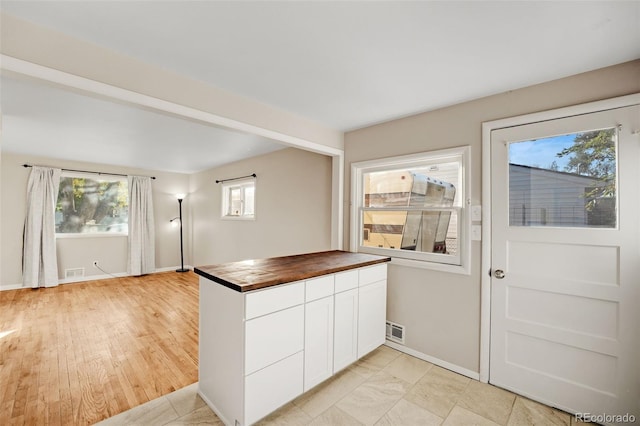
(255, 274)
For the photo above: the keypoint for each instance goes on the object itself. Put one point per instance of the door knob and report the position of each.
(498, 273)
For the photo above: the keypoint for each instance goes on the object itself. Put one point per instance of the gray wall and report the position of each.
(293, 209)
(110, 252)
(442, 310)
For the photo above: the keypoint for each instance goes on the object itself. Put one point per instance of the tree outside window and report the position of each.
(92, 205)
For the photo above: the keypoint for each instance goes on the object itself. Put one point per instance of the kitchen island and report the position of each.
(271, 329)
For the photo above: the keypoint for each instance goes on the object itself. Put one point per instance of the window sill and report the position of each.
(416, 263)
(423, 264)
(238, 218)
(92, 235)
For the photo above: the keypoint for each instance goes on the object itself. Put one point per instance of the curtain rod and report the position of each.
(253, 175)
(87, 171)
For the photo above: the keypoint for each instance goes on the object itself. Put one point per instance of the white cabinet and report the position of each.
(273, 299)
(346, 280)
(317, 288)
(273, 337)
(272, 387)
(318, 341)
(251, 349)
(261, 349)
(372, 307)
(345, 330)
(372, 274)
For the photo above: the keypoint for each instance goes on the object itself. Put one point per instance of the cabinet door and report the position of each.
(318, 341)
(345, 329)
(372, 313)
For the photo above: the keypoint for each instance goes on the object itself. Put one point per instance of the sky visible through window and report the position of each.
(541, 153)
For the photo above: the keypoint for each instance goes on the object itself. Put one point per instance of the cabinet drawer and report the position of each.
(320, 287)
(346, 280)
(272, 337)
(273, 299)
(270, 388)
(372, 274)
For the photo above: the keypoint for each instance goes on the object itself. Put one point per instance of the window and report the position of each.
(238, 200)
(412, 208)
(92, 205)
(564, 181)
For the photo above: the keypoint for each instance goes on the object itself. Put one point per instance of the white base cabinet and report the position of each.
(261, 349)
(272, 387)
(318, 341)
(371, 317)
(345, 337)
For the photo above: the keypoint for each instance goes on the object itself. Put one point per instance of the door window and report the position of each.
(564, 181)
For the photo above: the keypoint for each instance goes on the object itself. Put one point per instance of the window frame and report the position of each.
(99, 177)
(226, 201)
(459, 263)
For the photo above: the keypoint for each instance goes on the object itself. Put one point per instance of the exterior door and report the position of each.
(565, 286)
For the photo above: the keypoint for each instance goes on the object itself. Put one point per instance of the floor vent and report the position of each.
(395, 332)
(74, 273)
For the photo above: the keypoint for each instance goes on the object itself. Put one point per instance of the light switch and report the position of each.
(476, 232)
(476, 213)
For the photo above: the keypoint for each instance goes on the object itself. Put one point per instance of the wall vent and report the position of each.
(395, 332)
(74, 273)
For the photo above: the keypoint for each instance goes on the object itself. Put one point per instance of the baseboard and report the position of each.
(173, 268)
(11, 287)
(213, 408)
(92, 278)
(433, 360)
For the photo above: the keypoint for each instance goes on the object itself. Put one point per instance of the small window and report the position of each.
(238, 200)
(92, 205)
(412, 208)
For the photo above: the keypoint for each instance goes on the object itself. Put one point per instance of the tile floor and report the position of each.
(385, 387)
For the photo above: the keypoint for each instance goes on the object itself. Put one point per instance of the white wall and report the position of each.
(293, 209)
(441, 310)
(110, 252)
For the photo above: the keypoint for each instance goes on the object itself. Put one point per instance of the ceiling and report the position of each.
(343, 64)
(48, 121)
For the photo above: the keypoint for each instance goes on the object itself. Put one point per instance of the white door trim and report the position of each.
(487, 128)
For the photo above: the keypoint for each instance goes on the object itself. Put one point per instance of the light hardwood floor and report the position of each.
(79, 353)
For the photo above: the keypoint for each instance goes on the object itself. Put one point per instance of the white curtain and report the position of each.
(39, 259)
(142, 255)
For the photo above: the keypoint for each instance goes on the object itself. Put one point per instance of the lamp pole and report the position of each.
(182, 269)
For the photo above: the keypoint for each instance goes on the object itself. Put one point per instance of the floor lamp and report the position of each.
(180, 197)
